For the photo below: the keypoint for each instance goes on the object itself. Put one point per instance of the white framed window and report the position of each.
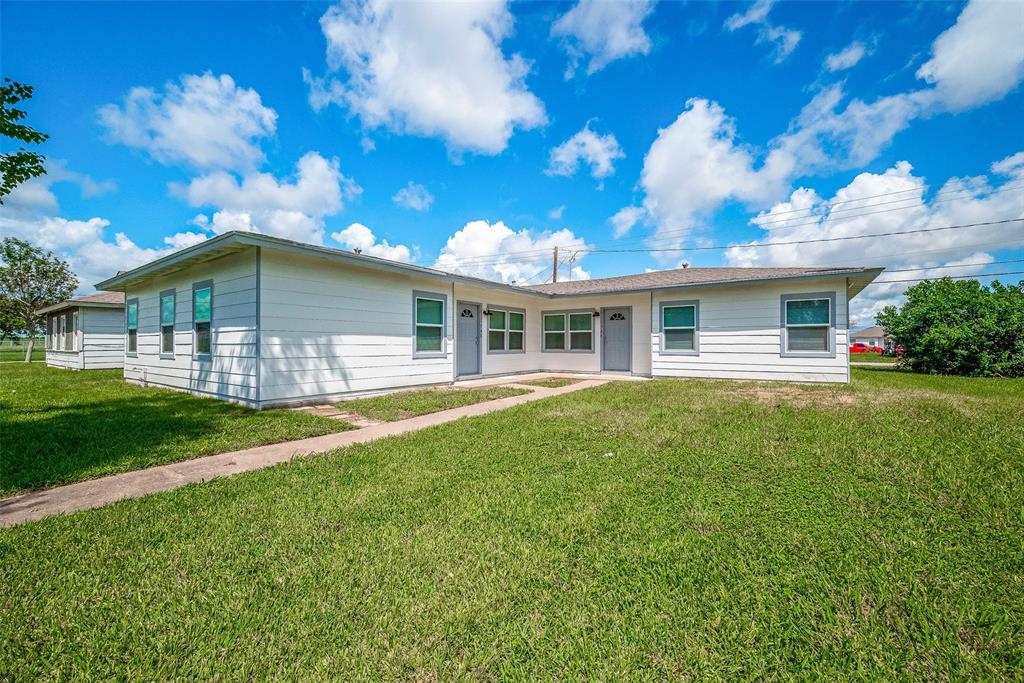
(202, 319)
(680, 328)
(131, 320)
(69, 322)
(429, 324)
(168, 301)
(807, 325)
(571, 331)
(49, 332)
(506, 328)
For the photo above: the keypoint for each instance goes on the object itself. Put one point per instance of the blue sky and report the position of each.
(525, 125)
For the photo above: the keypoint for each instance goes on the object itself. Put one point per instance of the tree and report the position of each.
(30, 279)
(960, 328)
(17, 167)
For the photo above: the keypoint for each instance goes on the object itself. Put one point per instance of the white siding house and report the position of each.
(85, 332)
(265, 321)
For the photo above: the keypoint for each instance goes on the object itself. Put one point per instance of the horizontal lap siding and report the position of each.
(231, 371)
(327, 330)
(71, 360)
(740, 336)
(640, 304)
(506, 363)
(102, 337)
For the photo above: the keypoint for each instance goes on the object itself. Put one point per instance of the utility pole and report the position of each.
(554, 266)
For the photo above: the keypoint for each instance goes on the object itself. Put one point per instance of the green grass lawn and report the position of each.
(551, 382)
(871, 357)
(59, 426)
(634, 531)
(406, 404)
(11, 350)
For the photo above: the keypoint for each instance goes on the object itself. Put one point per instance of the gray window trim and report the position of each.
(783, 328)
(160, 323)
(566, 312)
(202, 284)
(662, 351)
(487, 329)
(437, 296)
(127, 303)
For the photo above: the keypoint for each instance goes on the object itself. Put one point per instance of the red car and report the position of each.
(861, 347)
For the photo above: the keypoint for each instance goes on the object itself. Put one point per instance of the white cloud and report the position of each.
(496, 252)
(37, 193)
(807, 216)
(555, 214)
(624, 220)
(414, 196)
(83, 243)
(358, 236)
(606, 31)
(784, 39)
(980, 58)
(598, 151)
(205, 122)
(431, 69)
(702, 145)
(846, 58)
(259, 202)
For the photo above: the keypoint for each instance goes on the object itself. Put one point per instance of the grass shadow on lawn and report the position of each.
(66, 427)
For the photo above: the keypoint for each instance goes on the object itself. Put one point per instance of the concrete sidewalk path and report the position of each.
(95, 493)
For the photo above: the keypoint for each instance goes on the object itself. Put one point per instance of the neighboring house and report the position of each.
(265, 321)
(872, 336)
(86, 332)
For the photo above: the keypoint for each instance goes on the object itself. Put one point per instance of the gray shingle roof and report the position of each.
(869, 332)
(100, 298)
(681, 277)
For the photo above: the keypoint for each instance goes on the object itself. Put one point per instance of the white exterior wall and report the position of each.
(102, 337)
(230, 373)
(329, 330)
(572, 361)
(69, 360)
(506, 363)
(739, 334)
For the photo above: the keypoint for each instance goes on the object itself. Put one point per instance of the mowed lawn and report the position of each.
(59, 426)
(405, 404)
(633, 531)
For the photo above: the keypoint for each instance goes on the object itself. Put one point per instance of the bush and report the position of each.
(960, 328)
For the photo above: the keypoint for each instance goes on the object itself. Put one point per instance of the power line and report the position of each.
(959, 265)
(951, 277)
(814, 241)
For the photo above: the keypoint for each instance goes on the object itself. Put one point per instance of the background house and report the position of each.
(872, 336)
(86, 332)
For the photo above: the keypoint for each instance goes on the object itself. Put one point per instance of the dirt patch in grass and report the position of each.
(794, 396)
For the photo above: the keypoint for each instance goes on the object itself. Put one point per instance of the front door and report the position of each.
(616, 338)
(467, 339)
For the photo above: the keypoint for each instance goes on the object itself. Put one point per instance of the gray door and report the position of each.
(616, 338)
(467, 339)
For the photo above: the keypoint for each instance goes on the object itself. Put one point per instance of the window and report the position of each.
(69, 331)
(202, 317)
(807, 324)
(569, 331)
(429, 324)
(49, 332)
(505, 329)
(132, 324)
(167, 304)
(679, 328)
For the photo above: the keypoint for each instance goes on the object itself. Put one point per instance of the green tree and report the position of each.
(960, 327)
(17, 167)
(30, 279)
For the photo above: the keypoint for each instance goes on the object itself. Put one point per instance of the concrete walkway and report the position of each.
(94, 493)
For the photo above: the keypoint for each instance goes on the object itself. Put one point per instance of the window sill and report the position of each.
(505, 353)
(678, 353)
(429, 354)
(567, 350)
(166, 356)
(807, 354)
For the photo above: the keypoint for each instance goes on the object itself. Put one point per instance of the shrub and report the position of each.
(960, 328)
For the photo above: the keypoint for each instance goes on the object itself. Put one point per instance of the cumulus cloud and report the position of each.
(830, 133)
(980, 58)
(430, 69)
(604, 31)
(82, 243)
(847, 58)
(496, 252)
(624, 220)
(260, 202)
(414, 196)
(359, 237)
(597, 151)
(203, 121)
(784, 39)
(808, 216)
(555, 214)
